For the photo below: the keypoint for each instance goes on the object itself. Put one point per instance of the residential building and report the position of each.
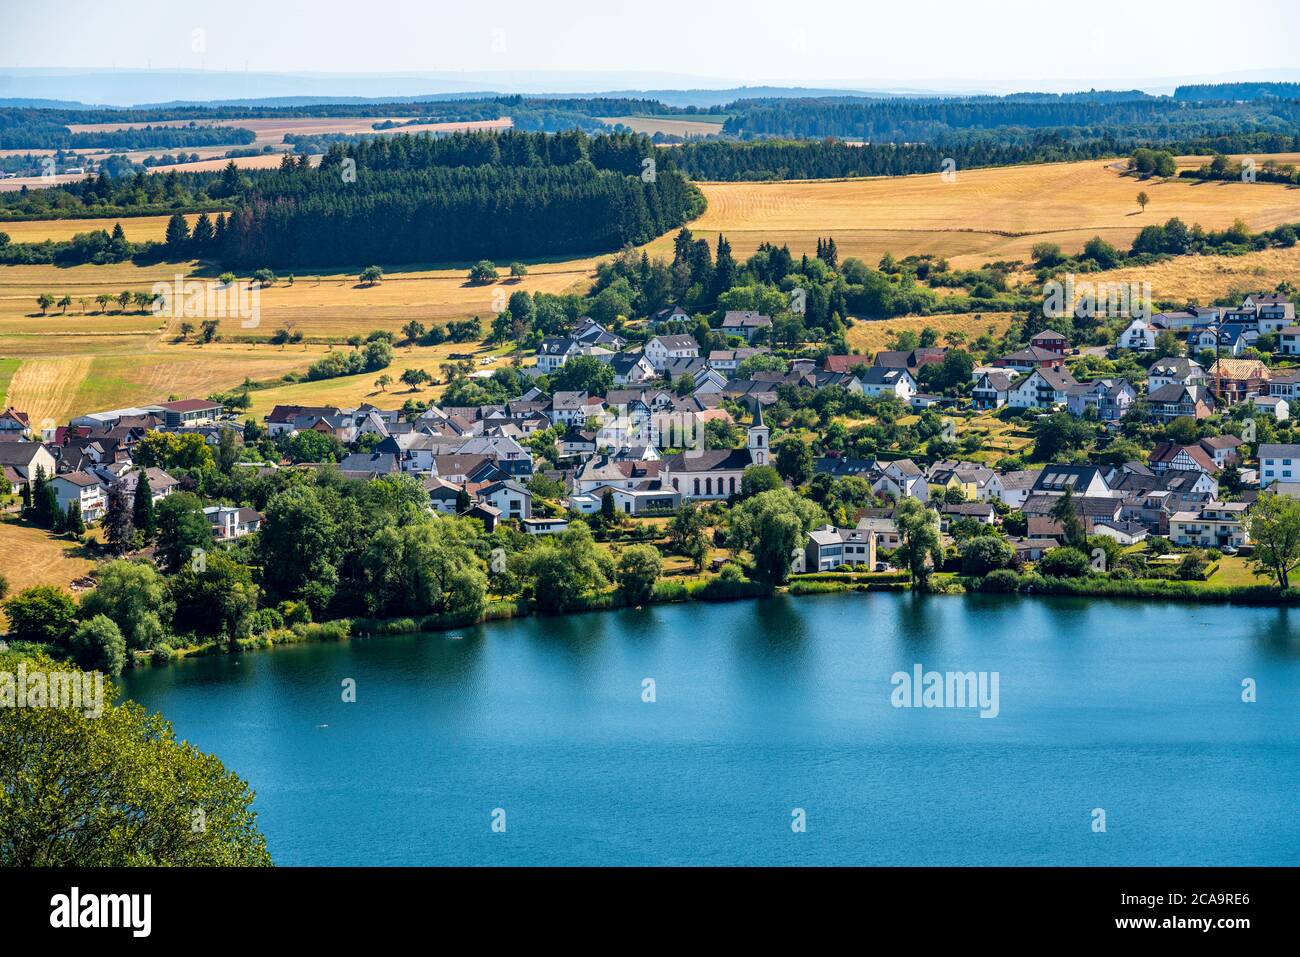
(829, 547)
(1278, 463)
(1215, 525)
(229, 522)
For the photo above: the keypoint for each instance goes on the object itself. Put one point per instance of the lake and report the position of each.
(768, 715)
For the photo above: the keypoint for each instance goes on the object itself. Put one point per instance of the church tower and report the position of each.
(758, 437)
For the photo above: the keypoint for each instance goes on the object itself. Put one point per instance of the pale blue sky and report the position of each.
(832, 42)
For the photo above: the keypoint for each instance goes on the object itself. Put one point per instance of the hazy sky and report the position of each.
(834, 42)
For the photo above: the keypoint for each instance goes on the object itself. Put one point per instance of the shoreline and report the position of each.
(708, 590)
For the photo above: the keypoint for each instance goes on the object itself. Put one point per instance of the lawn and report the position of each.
(31, 556)
(1234, 570)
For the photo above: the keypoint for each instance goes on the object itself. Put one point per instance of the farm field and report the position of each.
(666, 124)
(67, 364)
(138, 229)
(1207, 278)
(53, 387)
(983, 215)
(870, 337)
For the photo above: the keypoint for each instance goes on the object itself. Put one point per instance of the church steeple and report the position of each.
(758, 437)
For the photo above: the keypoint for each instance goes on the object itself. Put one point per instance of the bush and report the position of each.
(984, 554)
(1002, 580)
(1064, 563)
(98, 645)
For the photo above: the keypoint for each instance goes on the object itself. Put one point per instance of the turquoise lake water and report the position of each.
(764, 710)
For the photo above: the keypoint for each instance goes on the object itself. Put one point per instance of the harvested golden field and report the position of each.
(138, 229)
(21, 285)
(54, 388)
(982, 215)
(337, 305)
(666, 124)
(66, 364)
(32, 556)
(869, 338)
(1206, 278)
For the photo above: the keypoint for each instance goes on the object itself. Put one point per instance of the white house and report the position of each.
(510, 498)
(84, 489)
(882, 380)
(1278, 463)
(661, 349)
(1139, 336)
(229, 522)
(1042, 389)
(1174, 370)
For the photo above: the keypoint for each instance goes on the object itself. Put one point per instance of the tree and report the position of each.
(759, 478)
(564, 568)
(583, 374)
(771, 525)
(178, 233)
(1066, 512)
(1274, 525)
(98, 645)
(371, 275)
(919, 542)
(983, 554)
(413, 330)
(142, 506)
(687, 535)
(73, 521)
(608, 512)
(135, 597)
(429, 567)
(415, 378)
(215, 598)
(1143, 199)
(639, 568)
(42, 613)
(483, 271)
(182, 528)
(299, 547)
(115, 790)
(518, 270)
(311, 446)
(117, 518)
(794, 460)
(64, 302)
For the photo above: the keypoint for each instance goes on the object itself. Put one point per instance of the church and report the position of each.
(704, 474)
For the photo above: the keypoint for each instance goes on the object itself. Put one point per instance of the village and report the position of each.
(666, 423)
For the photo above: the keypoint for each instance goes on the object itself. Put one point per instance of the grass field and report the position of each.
(31, 556)
(870, 337)
(983, 215)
